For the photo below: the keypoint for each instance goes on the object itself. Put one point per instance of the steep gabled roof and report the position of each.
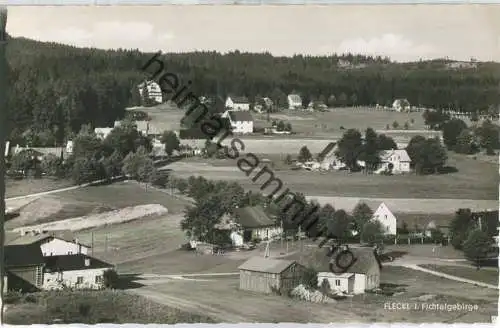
(253, 217)
(240, 116)
(23, 255)
(267, 265)
(239, 99)
(401, 153)
(319, 260)
(65, 235)
(74, 262)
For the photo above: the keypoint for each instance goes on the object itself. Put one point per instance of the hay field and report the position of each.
(91, 201)
(103, 219)
(16, 188)
(475, 180)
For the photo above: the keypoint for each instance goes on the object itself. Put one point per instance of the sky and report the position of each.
(401, 32)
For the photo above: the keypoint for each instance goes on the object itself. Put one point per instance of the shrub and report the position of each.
(310, 278)
(395, 124)
(110, 278)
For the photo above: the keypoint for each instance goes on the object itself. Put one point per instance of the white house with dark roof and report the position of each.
(401, 105)
(241, 121)
(397, 158)
(51, 243)
(294, 101)
(386, 218)
(253, 222)
(154, 91)
(362, 275)
(238, 103)
(76, 271)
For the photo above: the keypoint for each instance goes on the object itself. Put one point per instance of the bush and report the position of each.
(310, 278)
(110, 278)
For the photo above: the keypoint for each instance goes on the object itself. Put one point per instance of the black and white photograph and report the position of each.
(249, 164)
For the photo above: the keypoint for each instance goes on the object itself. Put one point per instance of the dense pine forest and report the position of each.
(55, 88)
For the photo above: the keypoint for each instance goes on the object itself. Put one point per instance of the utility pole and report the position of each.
(92, 247)
(3, 127)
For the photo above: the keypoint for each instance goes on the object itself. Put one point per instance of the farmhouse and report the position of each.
(386, 218)
(294, 101)
(153, 90)
(401, 105)
(241, 121)
(327, 158)
(76, 271)
(102, 133)
(253, 223)
(23, 267)
(364, 274)
(396, 160)
(40, 152)
(264, 275)
(52, 243)
(237, 103)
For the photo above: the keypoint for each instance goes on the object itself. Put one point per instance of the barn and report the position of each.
(264, 275)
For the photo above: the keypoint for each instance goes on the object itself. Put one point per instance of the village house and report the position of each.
(401, 105)
(265, 275)
(327, 158)
(153, 89)
(102, 133)
(294, 101)
(386, 218)
(253, 223)
(396, 160)
(241, 121)
(362, 275)
(23, 265)
(77, 271)
(51, 243)
(40, 152)
(237, 103)
(144, 127)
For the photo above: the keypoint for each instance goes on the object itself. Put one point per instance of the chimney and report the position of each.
(87, 262)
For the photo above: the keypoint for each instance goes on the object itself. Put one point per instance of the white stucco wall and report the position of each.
(332, 278)
(242, 126)
(61, 247)
(70, 279)
(386, 218)
(268, 232)
(359, 283)
(236, 238)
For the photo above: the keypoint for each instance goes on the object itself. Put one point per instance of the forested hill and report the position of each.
(56, 88)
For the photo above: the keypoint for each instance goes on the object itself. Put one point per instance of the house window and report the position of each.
(70, 252)
(98, 279)
(79, 280)
(337, 282)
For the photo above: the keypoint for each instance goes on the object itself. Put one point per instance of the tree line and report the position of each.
(54, 89)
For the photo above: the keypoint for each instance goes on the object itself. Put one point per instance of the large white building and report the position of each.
(398, 158)
(241, 121)
(76, 271)
(154, 91)
(294, 101)
(386, 218)
(237, 103)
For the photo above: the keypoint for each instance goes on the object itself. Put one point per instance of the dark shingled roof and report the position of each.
(253, 217)
(242, 116)
(239, 100)
(23, 255)
(73, 262)
(267, 265)
(317, 258)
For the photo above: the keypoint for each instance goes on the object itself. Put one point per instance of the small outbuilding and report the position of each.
(260, 274)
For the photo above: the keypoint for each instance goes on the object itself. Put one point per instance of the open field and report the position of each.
(91, 200)
(443, 252)
(93, 307)
(487, 276)
(15, 188)
(474, 185)
(221, 295)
